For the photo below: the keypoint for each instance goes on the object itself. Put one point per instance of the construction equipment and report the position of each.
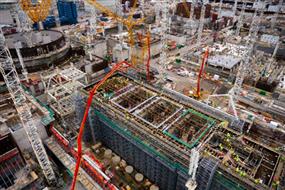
(205, 57)
(145, 42)
(21, 61)
(194, 161)
(118, 66)
(91, 33)
(240, 20)
(201, 24)
(235, 10)
(36, 11)
(244, 65)
(13, 84)
(128, 22)
(220, 9)
(163, 33)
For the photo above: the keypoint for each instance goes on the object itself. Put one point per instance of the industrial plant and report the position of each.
(142, 95)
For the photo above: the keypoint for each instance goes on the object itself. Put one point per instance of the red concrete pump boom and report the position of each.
(117, 67)
(205, 57)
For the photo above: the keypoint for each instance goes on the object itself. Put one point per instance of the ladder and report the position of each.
(13, 84)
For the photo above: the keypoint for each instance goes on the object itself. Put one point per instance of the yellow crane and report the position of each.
(37, 12)
(129, 22)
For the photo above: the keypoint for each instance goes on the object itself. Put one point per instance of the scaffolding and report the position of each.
(12, 81)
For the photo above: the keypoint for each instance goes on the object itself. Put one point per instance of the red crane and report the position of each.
(118, 66)
(205, 57)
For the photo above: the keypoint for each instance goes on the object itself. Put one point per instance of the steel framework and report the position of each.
(13, 84)
(244, 65)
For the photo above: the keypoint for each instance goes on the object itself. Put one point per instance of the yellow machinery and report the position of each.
(37, 12)
(128, 22)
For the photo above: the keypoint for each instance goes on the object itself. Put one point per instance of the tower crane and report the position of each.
(201, 24)
(163, 33)
(142, 7)
(220, 9)
(21, 61)
(193, 5)
(244, 65)
(55, 13)
(36, 11)
(235, 10)
(120, 13)
(91, 33)
(194, 161)
(240, 20)
(13, 84)
(128, 22)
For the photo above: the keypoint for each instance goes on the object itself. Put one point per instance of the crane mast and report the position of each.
(220, 8)
(235, 9)
(120, 13)
(193, 166)
(13, 84)
(240, 20)
(163, 33)
(192, 8)
(91, 33)
(201, 25)
(244, 65)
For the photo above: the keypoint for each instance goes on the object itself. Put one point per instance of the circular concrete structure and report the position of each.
(43, 50)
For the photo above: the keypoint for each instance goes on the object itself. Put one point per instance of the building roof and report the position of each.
(5, 17)
(226, 61)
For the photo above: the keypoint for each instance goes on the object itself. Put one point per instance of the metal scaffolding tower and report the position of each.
(91, 33)
(21, 61)
(220, 8)
(235, 9)
(193, 166)
(142, 7)
(251, 39)
(193, 5)
(119, 12)
(55, 13)
(163, 33)
(13, 84)
(201, 24)
(240, 20)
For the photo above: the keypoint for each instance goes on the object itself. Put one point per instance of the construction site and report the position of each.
(142, 95)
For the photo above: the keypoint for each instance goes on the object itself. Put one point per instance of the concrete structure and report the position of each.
(47, 48)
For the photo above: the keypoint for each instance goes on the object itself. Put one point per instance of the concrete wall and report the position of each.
(21, 137)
